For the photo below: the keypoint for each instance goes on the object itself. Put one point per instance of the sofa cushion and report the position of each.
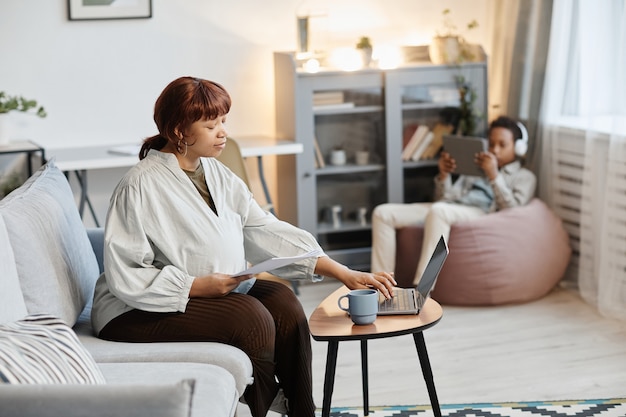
(12, 306)
(41, 349)
(214, 393)
(129, 400)
(234, 360)
(55, 262)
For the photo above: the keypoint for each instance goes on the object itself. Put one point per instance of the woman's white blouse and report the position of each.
(160, 234)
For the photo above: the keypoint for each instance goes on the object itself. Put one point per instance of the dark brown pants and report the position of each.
(268, 324)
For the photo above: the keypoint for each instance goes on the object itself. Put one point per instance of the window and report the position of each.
(585, 85)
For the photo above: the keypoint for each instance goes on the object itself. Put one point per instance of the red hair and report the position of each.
(183, 102)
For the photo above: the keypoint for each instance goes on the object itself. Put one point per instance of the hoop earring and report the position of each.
(179, 148)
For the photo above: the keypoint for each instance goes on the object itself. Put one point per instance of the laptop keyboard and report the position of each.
(402, 300)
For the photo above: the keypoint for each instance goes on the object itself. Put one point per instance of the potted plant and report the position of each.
(20, 104)
(364, 46)
(449, 46)
(468, 117)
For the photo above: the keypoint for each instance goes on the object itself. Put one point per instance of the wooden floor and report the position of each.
(556, 348)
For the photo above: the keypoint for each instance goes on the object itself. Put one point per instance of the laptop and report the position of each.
(411, 300)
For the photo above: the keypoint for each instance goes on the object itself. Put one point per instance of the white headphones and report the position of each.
(521, 144)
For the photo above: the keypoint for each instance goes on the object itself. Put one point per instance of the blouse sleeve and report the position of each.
(517, 191)
(128, 256)
(266, 237)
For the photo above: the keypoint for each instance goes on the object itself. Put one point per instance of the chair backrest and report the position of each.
(231, 157)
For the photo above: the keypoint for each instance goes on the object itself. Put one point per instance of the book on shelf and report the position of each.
(319, 157)
(327, 97)
(417, 138)
(330, 100)
(333, 106)
(407, 133)
(423, 145)
(436, 143)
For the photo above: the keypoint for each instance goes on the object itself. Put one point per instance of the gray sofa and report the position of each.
(49, 265)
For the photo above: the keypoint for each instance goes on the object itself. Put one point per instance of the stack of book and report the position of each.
(330, 100)
(423, 142)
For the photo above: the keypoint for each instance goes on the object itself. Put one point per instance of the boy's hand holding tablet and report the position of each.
(462, 154)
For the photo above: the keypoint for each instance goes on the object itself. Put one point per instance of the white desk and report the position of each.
(81, 159)
(261, 146)
(26, 147)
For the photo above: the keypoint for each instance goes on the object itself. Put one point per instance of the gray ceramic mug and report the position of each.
(362, 305)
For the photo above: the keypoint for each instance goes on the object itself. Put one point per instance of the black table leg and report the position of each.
(329, 378)
(366, 406)
(420, 344)
(29, 163)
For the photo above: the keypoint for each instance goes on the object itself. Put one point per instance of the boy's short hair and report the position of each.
(507, 123)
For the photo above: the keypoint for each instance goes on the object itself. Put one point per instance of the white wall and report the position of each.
(98, 80)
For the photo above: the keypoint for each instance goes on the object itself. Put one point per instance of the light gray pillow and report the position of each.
(128, 400)
(55, 262)
(41, 349)
(12, 305)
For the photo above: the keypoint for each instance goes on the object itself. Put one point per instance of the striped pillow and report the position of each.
(42, 349)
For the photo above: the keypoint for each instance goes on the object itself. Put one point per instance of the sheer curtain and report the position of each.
(583, 141)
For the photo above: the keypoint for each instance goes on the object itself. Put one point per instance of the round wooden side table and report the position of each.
(330, 324)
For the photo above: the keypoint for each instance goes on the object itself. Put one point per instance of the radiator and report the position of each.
(568, 157)
(588, 169)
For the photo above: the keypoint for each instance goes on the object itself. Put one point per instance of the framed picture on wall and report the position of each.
(109, 9)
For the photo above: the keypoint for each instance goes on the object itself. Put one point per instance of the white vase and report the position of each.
(444, 50)
(366, 56)
(338, 157)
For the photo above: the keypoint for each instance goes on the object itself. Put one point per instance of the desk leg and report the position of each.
(366, 406)
(420, 344)
(266, 190)
(329, 378)
(81, 176)
(29, 163)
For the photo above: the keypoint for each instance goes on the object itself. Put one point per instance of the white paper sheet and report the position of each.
(274, 263)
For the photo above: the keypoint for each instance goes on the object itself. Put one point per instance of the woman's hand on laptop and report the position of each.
(381, 281)
(386, 283)
(354, 280)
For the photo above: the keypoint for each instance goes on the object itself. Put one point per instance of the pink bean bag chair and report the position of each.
(510, 256)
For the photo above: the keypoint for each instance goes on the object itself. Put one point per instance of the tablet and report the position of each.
(463, 149)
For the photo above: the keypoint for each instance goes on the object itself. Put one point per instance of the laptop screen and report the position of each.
(431, 272)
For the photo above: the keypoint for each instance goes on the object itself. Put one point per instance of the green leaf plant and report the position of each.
(364, 43)
(18, 103)
(467, 98)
